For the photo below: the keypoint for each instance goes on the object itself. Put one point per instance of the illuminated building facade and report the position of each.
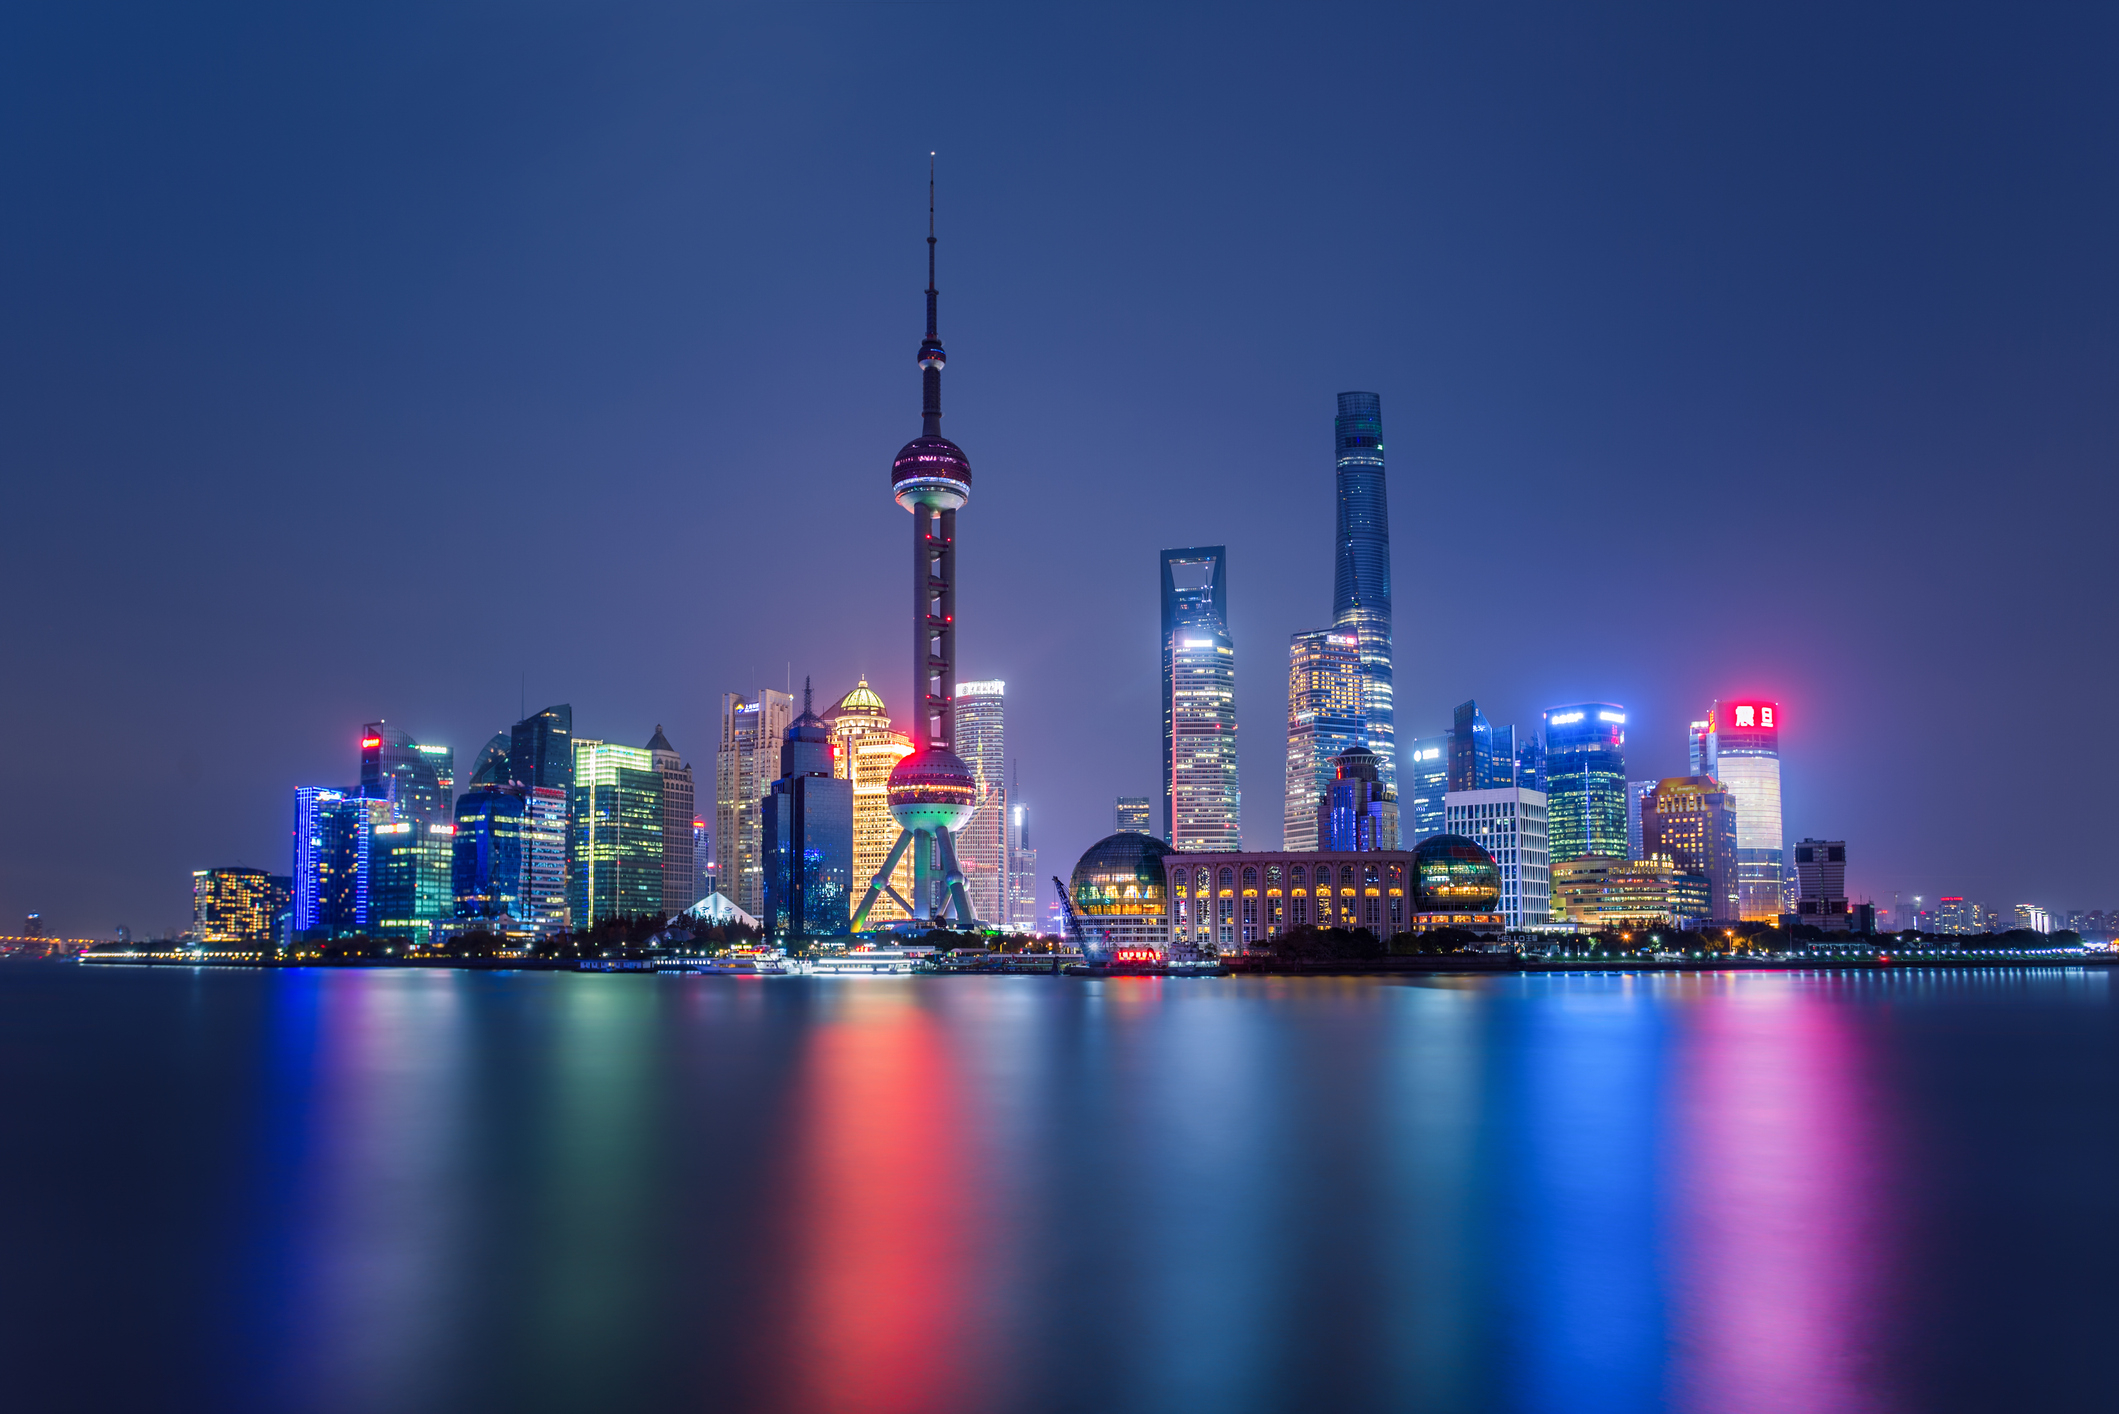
(678, 816)
(1821, 884)
(396, 768)
(238, 906)
(1482, 756)
(1597, 891)
(541, 761)
(488, 870)
(1133, 812)
(1637, 792)
(1119, 892)
(614, 833)
(1227, 903)
(1022, 867)
(1361, 580)
(865, 750)
(328, 849)
(1324, 720)
(744, 768)
(1358, 812)
(1510, 824)
(1585, 779)
(411, 878)
(1745, 746)
(1425, 771)
(806, 827)
(982, 844)
(1693, 821)
(1957, 917)
(1202, 803)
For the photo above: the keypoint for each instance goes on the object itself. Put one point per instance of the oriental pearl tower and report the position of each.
(932, 792)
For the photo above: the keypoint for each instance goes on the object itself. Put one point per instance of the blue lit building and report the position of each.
(1358, 814)
(1585, 773)
(1361, 580)
(488, 858)
(1482, 756)
(807, 830)
(1426, 780)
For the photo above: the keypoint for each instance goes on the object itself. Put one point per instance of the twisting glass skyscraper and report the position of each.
(1361, 584)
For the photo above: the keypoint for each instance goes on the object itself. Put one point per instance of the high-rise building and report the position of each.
(1745, 745)
(1821, 884)
(1699, 748)
(491, 768)
(865, 750)
(614, 831)
(1022, 863)
(488, 858)
(1426, 776)
(705, 877)
(411, 878)
(982, 843)
(2033, 917)
(1324, 719)
(327, 855)
(237, 906)
(932, 792)
(744, 768)
(1585, 779)
(678, 816)
(1530, 762)
(1133, 812)
(1509, 823)
(1693, 820)
(1361, 580)
(1636, 793)
(398, 769)
(1957, 917)
(1358, 813)
(1202, 804)
(806, 823)
(541, 761)
(1482, 756)
(541, 749)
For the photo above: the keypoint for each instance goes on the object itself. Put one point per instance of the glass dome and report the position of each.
(931, 459)
(1120, 874)
(1453, 875)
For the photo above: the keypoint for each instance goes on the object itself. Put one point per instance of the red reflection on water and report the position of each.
(888, 1216)
(1778, 1230)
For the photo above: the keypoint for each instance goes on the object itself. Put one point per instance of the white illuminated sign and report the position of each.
(1562, 719)
(1619, 717)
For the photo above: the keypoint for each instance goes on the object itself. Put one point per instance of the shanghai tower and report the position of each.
(1361, 587)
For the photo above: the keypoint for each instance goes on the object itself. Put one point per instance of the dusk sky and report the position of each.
(424, 362)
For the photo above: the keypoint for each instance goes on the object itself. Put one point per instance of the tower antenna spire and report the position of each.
(930, 247)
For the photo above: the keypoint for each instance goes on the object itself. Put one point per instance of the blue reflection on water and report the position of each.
(383, 1190)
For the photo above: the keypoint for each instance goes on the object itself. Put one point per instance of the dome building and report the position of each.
(1452, 876)
(1120, 891)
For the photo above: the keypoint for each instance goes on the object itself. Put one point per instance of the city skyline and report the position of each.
(1592, 330)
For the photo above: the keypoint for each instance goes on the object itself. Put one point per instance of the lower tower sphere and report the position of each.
(932, 789)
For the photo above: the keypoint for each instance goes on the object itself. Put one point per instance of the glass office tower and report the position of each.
(1585, 781)
(678, 813)
(1482, 756)
(1324, 721)
(982, 841)
(807, 828)
(487, 873)
(1361, 580)
(1745, 746)
(1202, 804)
(614, 859)
(396, 768)
(1422, 808)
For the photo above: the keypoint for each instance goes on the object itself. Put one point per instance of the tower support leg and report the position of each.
(881, 882)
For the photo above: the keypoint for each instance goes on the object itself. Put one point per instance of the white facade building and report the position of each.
(1509, 823)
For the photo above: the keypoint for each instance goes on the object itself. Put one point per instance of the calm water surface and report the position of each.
(405, 1191)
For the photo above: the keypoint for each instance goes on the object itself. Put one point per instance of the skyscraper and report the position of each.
(1357, 813)
(1821, 889)
(488, 857)
(1745, 745)
(982, 844)
(865, 750)
(744, 768)
(678, 815)
(1482, 756)
(1585, 780)
(1202, 804)
(1699, 748)
(806, 824)
(541, 761)
(409, 878)
(1361, 583)
(1022, 861)
(932, 792)
(1693, 820)
(1509, 823)
(614, 833)
(1324, 720)
(1426, 779)
(396, 768)
(541, 749)
(326, 859)
(1636, 793)
(1133, 814)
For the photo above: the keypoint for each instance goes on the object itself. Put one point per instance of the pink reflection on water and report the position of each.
(888, 1217)
(1778, 1240)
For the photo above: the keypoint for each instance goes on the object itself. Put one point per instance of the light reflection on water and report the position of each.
(430, 1190)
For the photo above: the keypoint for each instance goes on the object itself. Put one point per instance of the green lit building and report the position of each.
(614, 844)
(411, 878)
